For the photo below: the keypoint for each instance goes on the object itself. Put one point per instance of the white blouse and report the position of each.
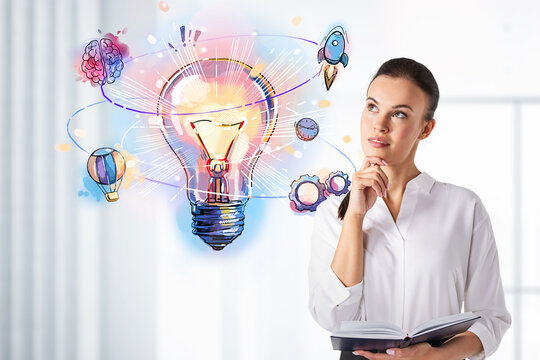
(440, 254)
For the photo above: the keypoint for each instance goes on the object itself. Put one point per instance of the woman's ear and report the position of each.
(427, 129)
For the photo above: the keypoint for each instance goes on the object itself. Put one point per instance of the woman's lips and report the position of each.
(377, 144)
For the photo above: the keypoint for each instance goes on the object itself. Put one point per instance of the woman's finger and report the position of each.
(381, 182)
(367, 178)
(373, 356)
(377, 183)
(384, 178)
(381, 175)
(374, 182)
(372, 160)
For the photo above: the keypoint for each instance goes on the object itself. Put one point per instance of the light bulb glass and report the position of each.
(218, 114)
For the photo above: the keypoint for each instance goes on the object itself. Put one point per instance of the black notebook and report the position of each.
(379, 336)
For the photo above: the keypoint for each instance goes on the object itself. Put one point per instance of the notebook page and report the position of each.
(370, 330)
(442, 322)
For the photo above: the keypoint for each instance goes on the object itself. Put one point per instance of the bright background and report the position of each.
(86, 281)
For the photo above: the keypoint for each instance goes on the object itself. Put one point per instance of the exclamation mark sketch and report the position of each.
(183, 34)
(197, 34)
(190, 40)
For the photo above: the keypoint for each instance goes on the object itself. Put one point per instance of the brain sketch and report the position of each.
(102, 61)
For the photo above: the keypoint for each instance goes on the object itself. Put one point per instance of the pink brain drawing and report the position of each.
(102, 61)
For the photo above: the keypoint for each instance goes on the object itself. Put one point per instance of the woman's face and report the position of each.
(394, 112)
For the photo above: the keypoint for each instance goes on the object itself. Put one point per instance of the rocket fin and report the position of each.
(320, 55)
(344, 59)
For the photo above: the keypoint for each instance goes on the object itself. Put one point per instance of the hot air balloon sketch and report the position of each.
(106, 167)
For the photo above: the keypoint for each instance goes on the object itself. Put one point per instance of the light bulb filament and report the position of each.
(216, 140)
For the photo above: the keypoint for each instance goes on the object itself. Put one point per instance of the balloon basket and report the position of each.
(111, 196)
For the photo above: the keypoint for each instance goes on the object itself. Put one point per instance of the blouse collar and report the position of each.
(423, 181)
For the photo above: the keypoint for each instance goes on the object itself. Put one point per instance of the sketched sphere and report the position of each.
(306, 129)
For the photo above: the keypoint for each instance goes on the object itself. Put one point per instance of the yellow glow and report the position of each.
(62, 147)
(207, 100)
(216, 138)
(324, 103)
(257, 69)
(289, 149)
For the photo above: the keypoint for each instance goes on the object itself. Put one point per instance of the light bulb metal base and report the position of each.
(218, 224)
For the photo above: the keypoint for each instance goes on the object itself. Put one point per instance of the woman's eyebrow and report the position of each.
(393, 107)
(372, 99)
(402, 105)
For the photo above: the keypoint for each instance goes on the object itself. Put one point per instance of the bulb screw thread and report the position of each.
(218, 224)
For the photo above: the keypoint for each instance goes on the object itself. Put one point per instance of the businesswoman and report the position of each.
(400, 246)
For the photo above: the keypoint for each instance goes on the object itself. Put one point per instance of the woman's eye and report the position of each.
(402, 113)
(370, 106)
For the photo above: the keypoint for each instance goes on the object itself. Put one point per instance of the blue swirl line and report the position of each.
(78, 111)
(72, 116)
(220, 110)
(153, 113)
(341, 152)
(223, 37)
(251, 196)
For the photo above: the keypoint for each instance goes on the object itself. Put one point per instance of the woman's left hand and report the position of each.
(421, 351)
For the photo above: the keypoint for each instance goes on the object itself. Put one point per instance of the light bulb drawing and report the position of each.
(218, 115)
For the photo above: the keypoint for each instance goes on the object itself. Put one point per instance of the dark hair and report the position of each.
(417, 74)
